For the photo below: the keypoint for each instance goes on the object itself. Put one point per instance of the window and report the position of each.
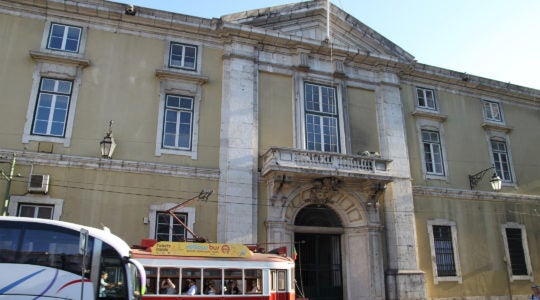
(168, 229)
(35, 207)
(36, 211)
(178, 122)
(180, 98)
(445, 259)
(432, 152)
(492, 111)
(52, 107)
(183, 56)
(517, 252)
(64, 38)
(501, 160)
(282, 280)
(444, 250)
(426, 98)
(321, 118)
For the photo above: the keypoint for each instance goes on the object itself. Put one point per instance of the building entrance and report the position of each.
(318, 266)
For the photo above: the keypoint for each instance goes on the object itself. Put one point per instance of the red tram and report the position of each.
(219, 271)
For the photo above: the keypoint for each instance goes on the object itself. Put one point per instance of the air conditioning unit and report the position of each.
(38, 184)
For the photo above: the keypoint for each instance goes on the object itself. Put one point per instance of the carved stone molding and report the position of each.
(322, 192)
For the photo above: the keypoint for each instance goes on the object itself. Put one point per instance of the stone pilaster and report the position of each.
(237, 214)
(404, 280)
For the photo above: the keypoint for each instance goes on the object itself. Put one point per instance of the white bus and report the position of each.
(48, 259)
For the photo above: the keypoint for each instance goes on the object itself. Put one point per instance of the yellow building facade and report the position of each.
(339, 146)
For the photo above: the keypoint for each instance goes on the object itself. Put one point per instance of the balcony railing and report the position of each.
(335, 164)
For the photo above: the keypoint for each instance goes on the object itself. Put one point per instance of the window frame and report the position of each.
(453, 229)
(432, 157)
(65, 37)
(488, 108)
(426, 106)
(322, 116)
(526, 253)
(178, 124)
(37, 208)
(172, 224)
(154, 209)
(497, 160)
(53, 109)
(16, 201)
(182, 65)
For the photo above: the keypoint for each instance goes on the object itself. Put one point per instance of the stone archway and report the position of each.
(360, 233)
(318, 265)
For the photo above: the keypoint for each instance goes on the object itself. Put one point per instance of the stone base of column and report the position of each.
(405, 285)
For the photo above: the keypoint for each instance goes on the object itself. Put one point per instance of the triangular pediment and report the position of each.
(309, 20)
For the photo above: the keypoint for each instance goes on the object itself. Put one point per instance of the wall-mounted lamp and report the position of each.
(495, 180)
(108, 144)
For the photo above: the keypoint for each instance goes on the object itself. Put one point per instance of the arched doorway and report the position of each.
(318, 267)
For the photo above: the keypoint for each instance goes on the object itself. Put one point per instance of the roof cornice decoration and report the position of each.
(417, 72)
(364, 47)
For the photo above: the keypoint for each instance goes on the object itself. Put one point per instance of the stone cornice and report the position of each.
(59, 59)
(71, 161)
(473, 194)
(175, 75)
(429, 115)
(496, 127)
(467, 84)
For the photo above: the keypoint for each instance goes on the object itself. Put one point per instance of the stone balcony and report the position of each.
(317, 164)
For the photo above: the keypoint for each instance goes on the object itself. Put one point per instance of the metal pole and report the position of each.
(8, 187)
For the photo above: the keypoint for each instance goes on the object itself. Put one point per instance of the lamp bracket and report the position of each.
(475, 179)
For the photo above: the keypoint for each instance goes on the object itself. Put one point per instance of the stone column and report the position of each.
(404, 280)
(237, 212)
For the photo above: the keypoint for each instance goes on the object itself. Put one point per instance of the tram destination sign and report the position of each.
(201, 249)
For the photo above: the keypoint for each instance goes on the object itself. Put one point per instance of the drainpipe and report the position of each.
(8, 186)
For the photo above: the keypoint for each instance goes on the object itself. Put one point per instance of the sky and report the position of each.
(496, 39)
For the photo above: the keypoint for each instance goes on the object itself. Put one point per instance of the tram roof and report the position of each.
(259, 257)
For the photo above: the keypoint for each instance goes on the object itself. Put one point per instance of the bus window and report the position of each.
(151, 280)
(168, 281)
(112, 275)
(9, 239)
(191, 277)
(253, 281)
(213, 282)
(53, 247)
(233, 281)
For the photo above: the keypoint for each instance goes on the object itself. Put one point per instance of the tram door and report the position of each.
(318, 266)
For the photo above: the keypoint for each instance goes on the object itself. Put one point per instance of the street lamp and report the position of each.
(495, 181)
(108, 144)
